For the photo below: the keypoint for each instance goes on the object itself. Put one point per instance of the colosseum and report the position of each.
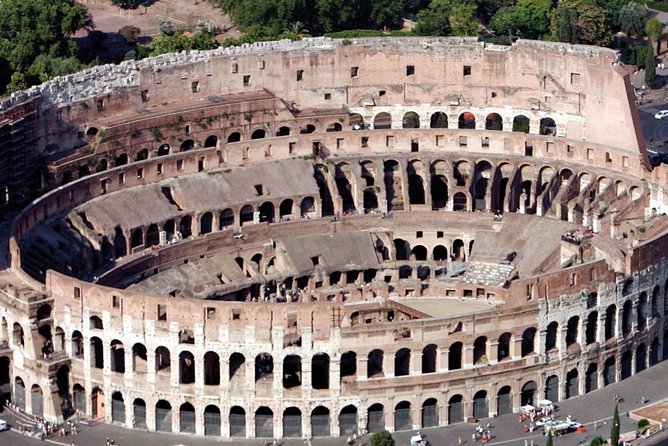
(323, 237)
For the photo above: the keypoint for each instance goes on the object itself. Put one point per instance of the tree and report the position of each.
(650, 67)
(463, 20)
(632, 17)
(581, 21)
(533, 18)
(383, 438)
(130, 33)
(654, 30)
(125, 4)
(597, 441)
(504, 21)
(550, 441)
(435, 19)
(386, 13)
(614, 429)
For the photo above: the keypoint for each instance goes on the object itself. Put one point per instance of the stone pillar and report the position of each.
(335, 377)
(150, 366)
(129, 412)
(199, 420)
(467, 360)
(634, 317)
(516, 348)
(224, 376)
(600, 328)
(150, 416)
(542, 339)
(388, 365)
(493, 356)
(444, 360)
(416, 362)
(362, 368)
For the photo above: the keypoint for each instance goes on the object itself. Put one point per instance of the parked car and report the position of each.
(3, 425)
(661, 114)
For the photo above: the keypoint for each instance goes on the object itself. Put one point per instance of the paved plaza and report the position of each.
(594, 410)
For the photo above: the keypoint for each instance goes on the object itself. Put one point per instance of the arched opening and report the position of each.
(117, 356)
(548, 126)
(120, 244)
(307, 207)
(610, 322)
(592, 327)
(211, 141)
(84, 170)
(572, 331)
(480, 405)
(264, 366)
(382, 121)
(466, 121)
(627, 318)
(66, 178)
(643, 311)
(416, 193)
(285, 209)
(117, 408)
(609, 371)
(162, 360)
(186, 145)
(186, 368)
(237, 367)
(163, 416)
(237, 420)
(19, 393)
(429, 416)
(521, 124)
(419, 252)
(292, 371)
(459, 202)
(142, 154)
(375, 364)
(376, 418)
(137, 238)
(320, 371)
(551, 336)
(187, 418)
(429, 355)
(121, 160)
(402, 361)
(153, 235)
(139, 413)
(504, 401)
(411, 120)
(456, 409)
(211, 369)
(626, 364)
(102, 165)
(206, 223)
(591, 378)
(139, 359)
(292, 422)
(246, 214)
(342, 177)
(307, 129)
(163, 150)
(258, 134)
(320, 422)
(37, 400)
(440, 253)
(234, 137)
(455, 356)
(6, 383)
(528, 341)
(348, 365)
(96, 354)
(226, 219)
(348, 421)
(503, 349)
(402, 416)
(493, 121)
(264, 422)
(283, 131)
(552, 388)
(528, 396)
(63, 384)
(77, 344)
(480, 351)
(438, 120)
(572, 383)
(641, 358)
(91, 132)
(185, 226)
(334, 127)
(267, 213)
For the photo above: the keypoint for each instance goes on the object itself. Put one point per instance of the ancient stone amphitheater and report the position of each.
(323, 237)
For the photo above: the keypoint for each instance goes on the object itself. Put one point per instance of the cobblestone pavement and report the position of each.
(594, 410)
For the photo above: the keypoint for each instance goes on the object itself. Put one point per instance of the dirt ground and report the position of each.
(655, 412)
(183, 13)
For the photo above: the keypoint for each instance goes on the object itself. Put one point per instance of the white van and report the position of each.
(3, 425)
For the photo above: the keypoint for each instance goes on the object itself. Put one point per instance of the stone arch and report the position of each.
(233, 137)
(552, 388)
(163, 360)
(504, 400)
(102, 165)
(246, 214)
(212, 420)
(572, 383)
(480, 405)
(438, 120)
(356, 121)
(237, 420)
(117, 408)
(320, 371)
(334, 127)
(626, 364)
(429, 357)
(186, 145)
(258, 134)
(84, 170)
(528, 341)
(266, 212)
(206, 223)
(348, 420)
(292, 371)
(609, 371)
(77, 344)
(264, 366)
(466, 120)
(121, 160)
(456, 409)
(591, 377)
(410, 120)
(226, 219)
(139, 413)
(348, 365)
(376, 418)
(211, 141)
(610, 321)
(186, 367)
(551, 336)
(548, 126)
(211, 369)
(142, 154)
(117, 356)
(164, 149)
(137, 238)
(494, 121)
(285, 208)
(419, 252)
(592, 328)
(573, 331)
(402, 362)
(96, 353)
(292, 422)
(375, 364)
(37, 400)
(307, 206)
(283, 131)
(382, 120)
(153, 235)
(416, 189)
(440, 253)
(163, 416)
(528, 393)
(455, 356)
(19, 393)
(343, 178)
(187, 418)
(521, 124)
(264, 422)
(402, 416)
(320, 420)
(627, 318)
(439, 184)
(480, 351)
(641, 357)
(66, 178)
(503, 349)
(307, 129)
(139, 358)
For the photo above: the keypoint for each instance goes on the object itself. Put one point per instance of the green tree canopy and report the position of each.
(614, 428)
(632, 18)
(533, 18)
(382, 438)
(650, 67)
(580, 21)
(654, 30)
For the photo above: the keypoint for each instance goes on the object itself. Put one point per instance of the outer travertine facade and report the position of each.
(320, 237)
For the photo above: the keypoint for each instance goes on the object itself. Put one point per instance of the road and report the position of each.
(655, 130)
